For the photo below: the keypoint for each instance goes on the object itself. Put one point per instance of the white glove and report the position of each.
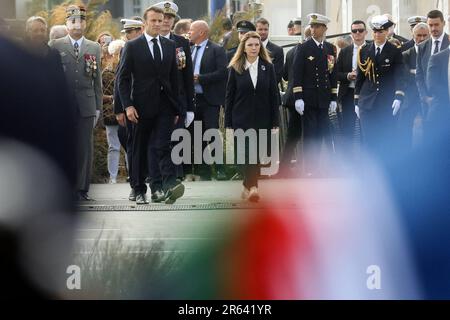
(189, 118)
(97, 116)
(333, 106)
(396, 107)
(300, 106)
(357, 111)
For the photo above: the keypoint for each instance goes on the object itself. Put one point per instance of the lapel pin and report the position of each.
(263, 68)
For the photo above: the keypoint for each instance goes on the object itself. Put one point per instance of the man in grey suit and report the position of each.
(81, 60)
(438, 42)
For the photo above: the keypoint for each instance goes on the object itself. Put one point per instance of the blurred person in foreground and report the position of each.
(37, 170)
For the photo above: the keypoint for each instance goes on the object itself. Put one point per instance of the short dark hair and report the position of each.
(360, 22)
(263, 21)
(433, 14)
(290, 24)
(154, 9)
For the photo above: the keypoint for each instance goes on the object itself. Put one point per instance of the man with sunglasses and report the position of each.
(347, 64)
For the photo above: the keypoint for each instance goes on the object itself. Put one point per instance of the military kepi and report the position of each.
(75, 11)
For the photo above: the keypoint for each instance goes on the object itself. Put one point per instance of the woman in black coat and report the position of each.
(251, 100)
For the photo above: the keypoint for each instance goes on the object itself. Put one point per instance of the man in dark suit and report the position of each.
(315, 90)
(413, 21)
(186, 89)
(438, 82)
(347, 64)
(148, 87)
(438, 42)
(379, 90)
(276, 52)
(210, 76)
(412, 106)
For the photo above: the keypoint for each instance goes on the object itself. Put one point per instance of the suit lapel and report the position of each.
(69, 47)
(83, 49)
(146, 50)
(262, 69)
(205, 54)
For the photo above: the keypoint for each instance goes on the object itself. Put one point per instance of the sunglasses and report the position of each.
(358, 30)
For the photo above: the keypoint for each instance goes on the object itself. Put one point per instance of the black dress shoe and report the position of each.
(83, 196)
(141, 199)
(132, 196)
(173, 194)
(158, 196)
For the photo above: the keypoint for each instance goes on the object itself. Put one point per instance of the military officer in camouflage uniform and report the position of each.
(81, 62)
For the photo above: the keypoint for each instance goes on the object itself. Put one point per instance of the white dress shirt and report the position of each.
(79, 41)
(253, 70)
(354, 63)
(265, 43)
(318, 43)
(379, 46)
(151, 44)
(441, 38)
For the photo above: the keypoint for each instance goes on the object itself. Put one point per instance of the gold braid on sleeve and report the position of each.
(367, 68)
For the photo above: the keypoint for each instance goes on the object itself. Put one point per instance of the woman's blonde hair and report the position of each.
(238, 61)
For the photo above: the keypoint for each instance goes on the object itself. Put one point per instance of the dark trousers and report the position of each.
(154, 133)
(294, 135)
(209, 116)
(156, 178)
(126, 141)
(250, 171)
(377, 128)
(316, 130)
(348, 120)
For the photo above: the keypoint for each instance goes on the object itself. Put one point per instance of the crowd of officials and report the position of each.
(165, 73)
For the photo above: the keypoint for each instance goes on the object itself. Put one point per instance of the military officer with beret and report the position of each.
(81, 62)
(315, 88)
(380, 89)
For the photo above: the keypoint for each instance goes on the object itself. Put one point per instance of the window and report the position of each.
(137, 7)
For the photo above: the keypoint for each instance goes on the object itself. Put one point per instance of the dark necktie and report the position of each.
(156, 51)
(436, 47)
(377, 55)
(76, 48)
(320, 47)
(194, 60)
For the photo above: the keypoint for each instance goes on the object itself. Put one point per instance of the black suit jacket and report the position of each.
(288, 98)
(389, 83)
(423, 58)
(344, 66)
(315, 80)
(412, 93)
(247, 107)
(213, 74)
(408, 45)
(185, 74)
(277, 55)
(438, 82)
(142, 82)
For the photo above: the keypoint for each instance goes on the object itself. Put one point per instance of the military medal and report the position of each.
(311, 58)
(181, 58)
